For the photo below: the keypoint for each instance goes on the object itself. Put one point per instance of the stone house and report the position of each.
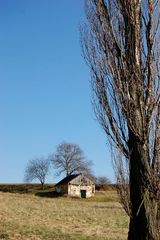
(77, 185)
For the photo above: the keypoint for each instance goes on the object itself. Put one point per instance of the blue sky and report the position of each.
(45, 91)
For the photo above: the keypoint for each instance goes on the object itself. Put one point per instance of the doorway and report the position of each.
(83, 193)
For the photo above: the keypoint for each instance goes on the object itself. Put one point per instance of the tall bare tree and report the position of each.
(120, 43)
(37, 168)
(70, 159)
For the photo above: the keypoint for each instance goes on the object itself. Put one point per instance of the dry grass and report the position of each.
(27, 217)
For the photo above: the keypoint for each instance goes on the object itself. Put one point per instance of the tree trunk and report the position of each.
(42, 185)
(143, 223)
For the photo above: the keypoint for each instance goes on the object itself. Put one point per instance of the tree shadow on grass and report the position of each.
(52, 194)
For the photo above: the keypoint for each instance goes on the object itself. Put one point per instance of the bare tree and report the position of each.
(120, 43)
(121, 170)
(102, 182)
(37, 168)
(70, 159)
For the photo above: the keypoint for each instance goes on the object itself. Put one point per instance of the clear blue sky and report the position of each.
(44, 87)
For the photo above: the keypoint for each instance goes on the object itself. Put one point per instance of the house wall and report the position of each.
(75, 190)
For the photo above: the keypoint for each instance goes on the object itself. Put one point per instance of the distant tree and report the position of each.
(37, 168)
(102, 182)
(70, 159)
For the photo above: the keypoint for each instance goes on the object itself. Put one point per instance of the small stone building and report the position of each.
(77, 185)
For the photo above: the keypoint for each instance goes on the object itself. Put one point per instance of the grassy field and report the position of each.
(30, 217)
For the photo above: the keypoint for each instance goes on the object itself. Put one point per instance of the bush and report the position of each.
(23, 188)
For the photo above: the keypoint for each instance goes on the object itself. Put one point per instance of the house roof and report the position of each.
(67, 179)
